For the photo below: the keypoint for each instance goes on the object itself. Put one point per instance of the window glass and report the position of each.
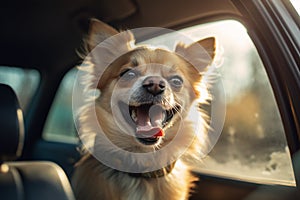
(60, 124)
(252, 145)
(23, 81)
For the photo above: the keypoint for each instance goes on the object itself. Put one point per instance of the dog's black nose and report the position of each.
(154, 85)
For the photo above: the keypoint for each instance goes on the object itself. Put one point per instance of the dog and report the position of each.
(152, 128)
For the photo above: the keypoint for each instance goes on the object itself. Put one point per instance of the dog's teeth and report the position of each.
(133, 115)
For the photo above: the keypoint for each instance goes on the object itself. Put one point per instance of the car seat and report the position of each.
(25, 180)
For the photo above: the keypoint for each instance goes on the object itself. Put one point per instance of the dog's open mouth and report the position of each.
(148, 120)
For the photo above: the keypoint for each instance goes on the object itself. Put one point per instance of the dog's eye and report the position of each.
(176, 81)
(128, 74)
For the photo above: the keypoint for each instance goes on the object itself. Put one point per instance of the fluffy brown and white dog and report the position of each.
(148, 111)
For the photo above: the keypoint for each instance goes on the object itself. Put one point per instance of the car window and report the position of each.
(252, 145)
(59, 125)
(23, 81)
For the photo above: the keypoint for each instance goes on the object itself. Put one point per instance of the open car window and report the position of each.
(23, 81)
(60, 125)
(252, 146)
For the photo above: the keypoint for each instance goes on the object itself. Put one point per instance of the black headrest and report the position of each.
(11, 125)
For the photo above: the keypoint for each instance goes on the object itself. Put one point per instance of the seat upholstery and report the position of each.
(11, 124)
(25, 180)
(35, 180)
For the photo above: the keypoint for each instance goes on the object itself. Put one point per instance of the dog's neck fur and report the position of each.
(155, 174)
(106, 183)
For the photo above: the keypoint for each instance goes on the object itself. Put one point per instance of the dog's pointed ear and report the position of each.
(98, 32)
(200, 54)
(104, 45)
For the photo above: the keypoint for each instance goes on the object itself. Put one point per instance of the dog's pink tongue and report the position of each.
(149, 122)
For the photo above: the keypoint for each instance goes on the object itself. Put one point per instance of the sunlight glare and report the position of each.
(296, 4)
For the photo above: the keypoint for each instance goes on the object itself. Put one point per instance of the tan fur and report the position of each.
(93, 180)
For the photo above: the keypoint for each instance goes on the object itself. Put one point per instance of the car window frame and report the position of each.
(260, 18)
(269, 37)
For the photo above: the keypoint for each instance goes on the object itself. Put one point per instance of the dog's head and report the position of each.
(146, 93)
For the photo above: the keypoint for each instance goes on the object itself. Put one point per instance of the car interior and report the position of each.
(29, 179)
(46, 36)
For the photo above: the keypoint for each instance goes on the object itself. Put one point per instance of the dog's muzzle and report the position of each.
(148, 113)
